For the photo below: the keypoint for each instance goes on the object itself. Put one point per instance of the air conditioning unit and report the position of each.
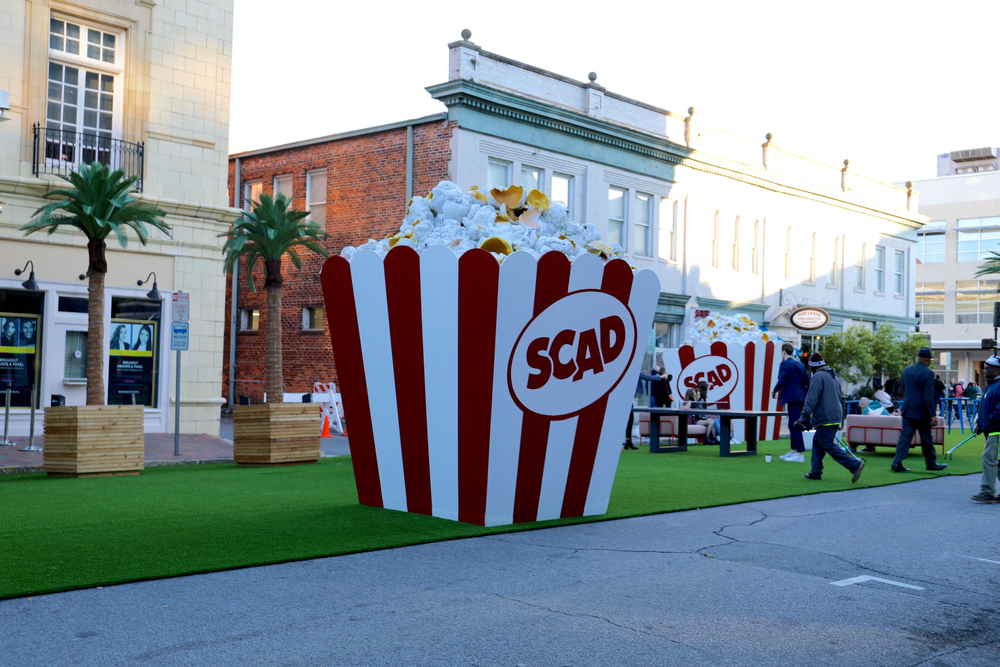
(974, 154)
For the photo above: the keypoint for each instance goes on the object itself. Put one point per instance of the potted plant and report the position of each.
(275, 432)
(96, 439)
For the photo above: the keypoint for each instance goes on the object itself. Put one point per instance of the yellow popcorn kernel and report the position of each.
(497, 244)
(511, 196)
(539, 200)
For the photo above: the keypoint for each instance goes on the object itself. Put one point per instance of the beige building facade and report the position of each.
(956, 307)
(141, 85)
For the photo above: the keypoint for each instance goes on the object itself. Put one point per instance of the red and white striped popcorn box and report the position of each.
(483, 392)
(739, 377)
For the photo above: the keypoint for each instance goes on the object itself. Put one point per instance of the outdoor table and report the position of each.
(962, 408)
(725, 435)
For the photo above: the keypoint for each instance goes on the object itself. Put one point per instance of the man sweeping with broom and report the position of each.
(988, 422)
(822, 408)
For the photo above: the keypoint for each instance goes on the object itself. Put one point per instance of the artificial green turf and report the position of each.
(63, 534)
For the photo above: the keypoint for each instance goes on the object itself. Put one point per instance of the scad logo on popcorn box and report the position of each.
(720, 373)
(572, 354)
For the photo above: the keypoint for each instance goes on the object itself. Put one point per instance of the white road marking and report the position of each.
(985, 560)
(862, 579)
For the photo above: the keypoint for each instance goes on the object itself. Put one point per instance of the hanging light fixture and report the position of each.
(153, 293)
(30, 284)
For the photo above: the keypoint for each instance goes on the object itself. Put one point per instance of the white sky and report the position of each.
(887, 84)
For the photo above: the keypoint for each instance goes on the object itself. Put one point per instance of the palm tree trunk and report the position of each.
(275, 390)
(95, 339)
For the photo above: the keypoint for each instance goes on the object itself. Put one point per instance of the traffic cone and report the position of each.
(326, 427)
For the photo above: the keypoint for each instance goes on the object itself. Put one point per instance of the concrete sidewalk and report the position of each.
(159, 450)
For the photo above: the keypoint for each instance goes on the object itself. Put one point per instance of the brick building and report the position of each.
(728, 224)
(357, 184)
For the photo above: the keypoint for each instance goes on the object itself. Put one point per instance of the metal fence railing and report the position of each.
(58, 151)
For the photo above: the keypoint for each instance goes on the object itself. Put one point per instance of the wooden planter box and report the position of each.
(275, 434)
(94, 440)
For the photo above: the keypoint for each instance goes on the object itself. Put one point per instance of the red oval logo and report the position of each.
(571, 354)
(720, 373)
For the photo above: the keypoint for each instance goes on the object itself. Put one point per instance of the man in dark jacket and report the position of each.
(988, 422)
(919, 407)
(822, 407)
(793, 382)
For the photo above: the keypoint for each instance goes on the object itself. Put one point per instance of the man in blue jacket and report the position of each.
(988, 422)
(793, 382)
(919, 407)
(822, 407)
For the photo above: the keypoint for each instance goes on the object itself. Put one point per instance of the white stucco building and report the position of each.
(144, 86)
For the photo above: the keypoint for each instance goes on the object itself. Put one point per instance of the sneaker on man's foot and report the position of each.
(788, 455)
(937, 466)
(900, 468)
(857, 473)
(985, 498)
(812, 475)
(798, 458)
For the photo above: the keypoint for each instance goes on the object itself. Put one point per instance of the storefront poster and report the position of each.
(132, 362)
(18, 347)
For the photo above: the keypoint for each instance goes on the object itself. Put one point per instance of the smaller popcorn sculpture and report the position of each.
(738, 329)
(499, 221)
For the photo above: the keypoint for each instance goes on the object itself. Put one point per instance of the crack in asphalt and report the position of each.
(601, 618)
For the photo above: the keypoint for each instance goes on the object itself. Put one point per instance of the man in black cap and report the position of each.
(918, 411)
(988, 423)
(822, 408)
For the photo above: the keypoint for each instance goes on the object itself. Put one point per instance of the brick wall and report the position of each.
(366, 198)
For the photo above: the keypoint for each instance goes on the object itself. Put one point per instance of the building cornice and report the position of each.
(459, 94)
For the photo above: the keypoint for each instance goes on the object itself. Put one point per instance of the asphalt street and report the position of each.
(897, 575)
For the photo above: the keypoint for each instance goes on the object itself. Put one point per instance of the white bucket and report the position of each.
(807, 439)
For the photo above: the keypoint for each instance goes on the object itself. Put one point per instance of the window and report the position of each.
(859, 268)
(316, 196)
(531, 179)
(642, 218)
(930, 303)
(734, 251)
(251, 193)
(812, 260)
(616, 215)
(312, 318)
(930, 243)
(75, 367)
(668, 229)
(756, 248)
(986, 167)
(788, 252)
(974, 245)
(249, 319)
(72, 304)
(283, 185)
(562, 191)
(715, 240)
(83, 105)
(965, 170)
(833, 276)
(879, 269)
(897, 283)
(497, 174)
(974, 301)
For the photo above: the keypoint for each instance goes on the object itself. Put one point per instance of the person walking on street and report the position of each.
(822, 408)
(793, 383)
(988, 423)
(917, 412)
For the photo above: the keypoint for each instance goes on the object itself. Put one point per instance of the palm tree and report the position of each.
(991, 266)
(100, 203)
(269, 231)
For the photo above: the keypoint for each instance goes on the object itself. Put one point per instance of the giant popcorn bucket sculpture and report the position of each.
(738, 375)
(482, 392)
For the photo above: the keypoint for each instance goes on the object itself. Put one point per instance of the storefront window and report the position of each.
(20, 346)
(133, 354)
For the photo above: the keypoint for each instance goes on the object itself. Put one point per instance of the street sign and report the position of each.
(179, 336)
(182, 302)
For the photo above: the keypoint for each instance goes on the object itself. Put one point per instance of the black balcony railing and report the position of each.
(58, 151)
